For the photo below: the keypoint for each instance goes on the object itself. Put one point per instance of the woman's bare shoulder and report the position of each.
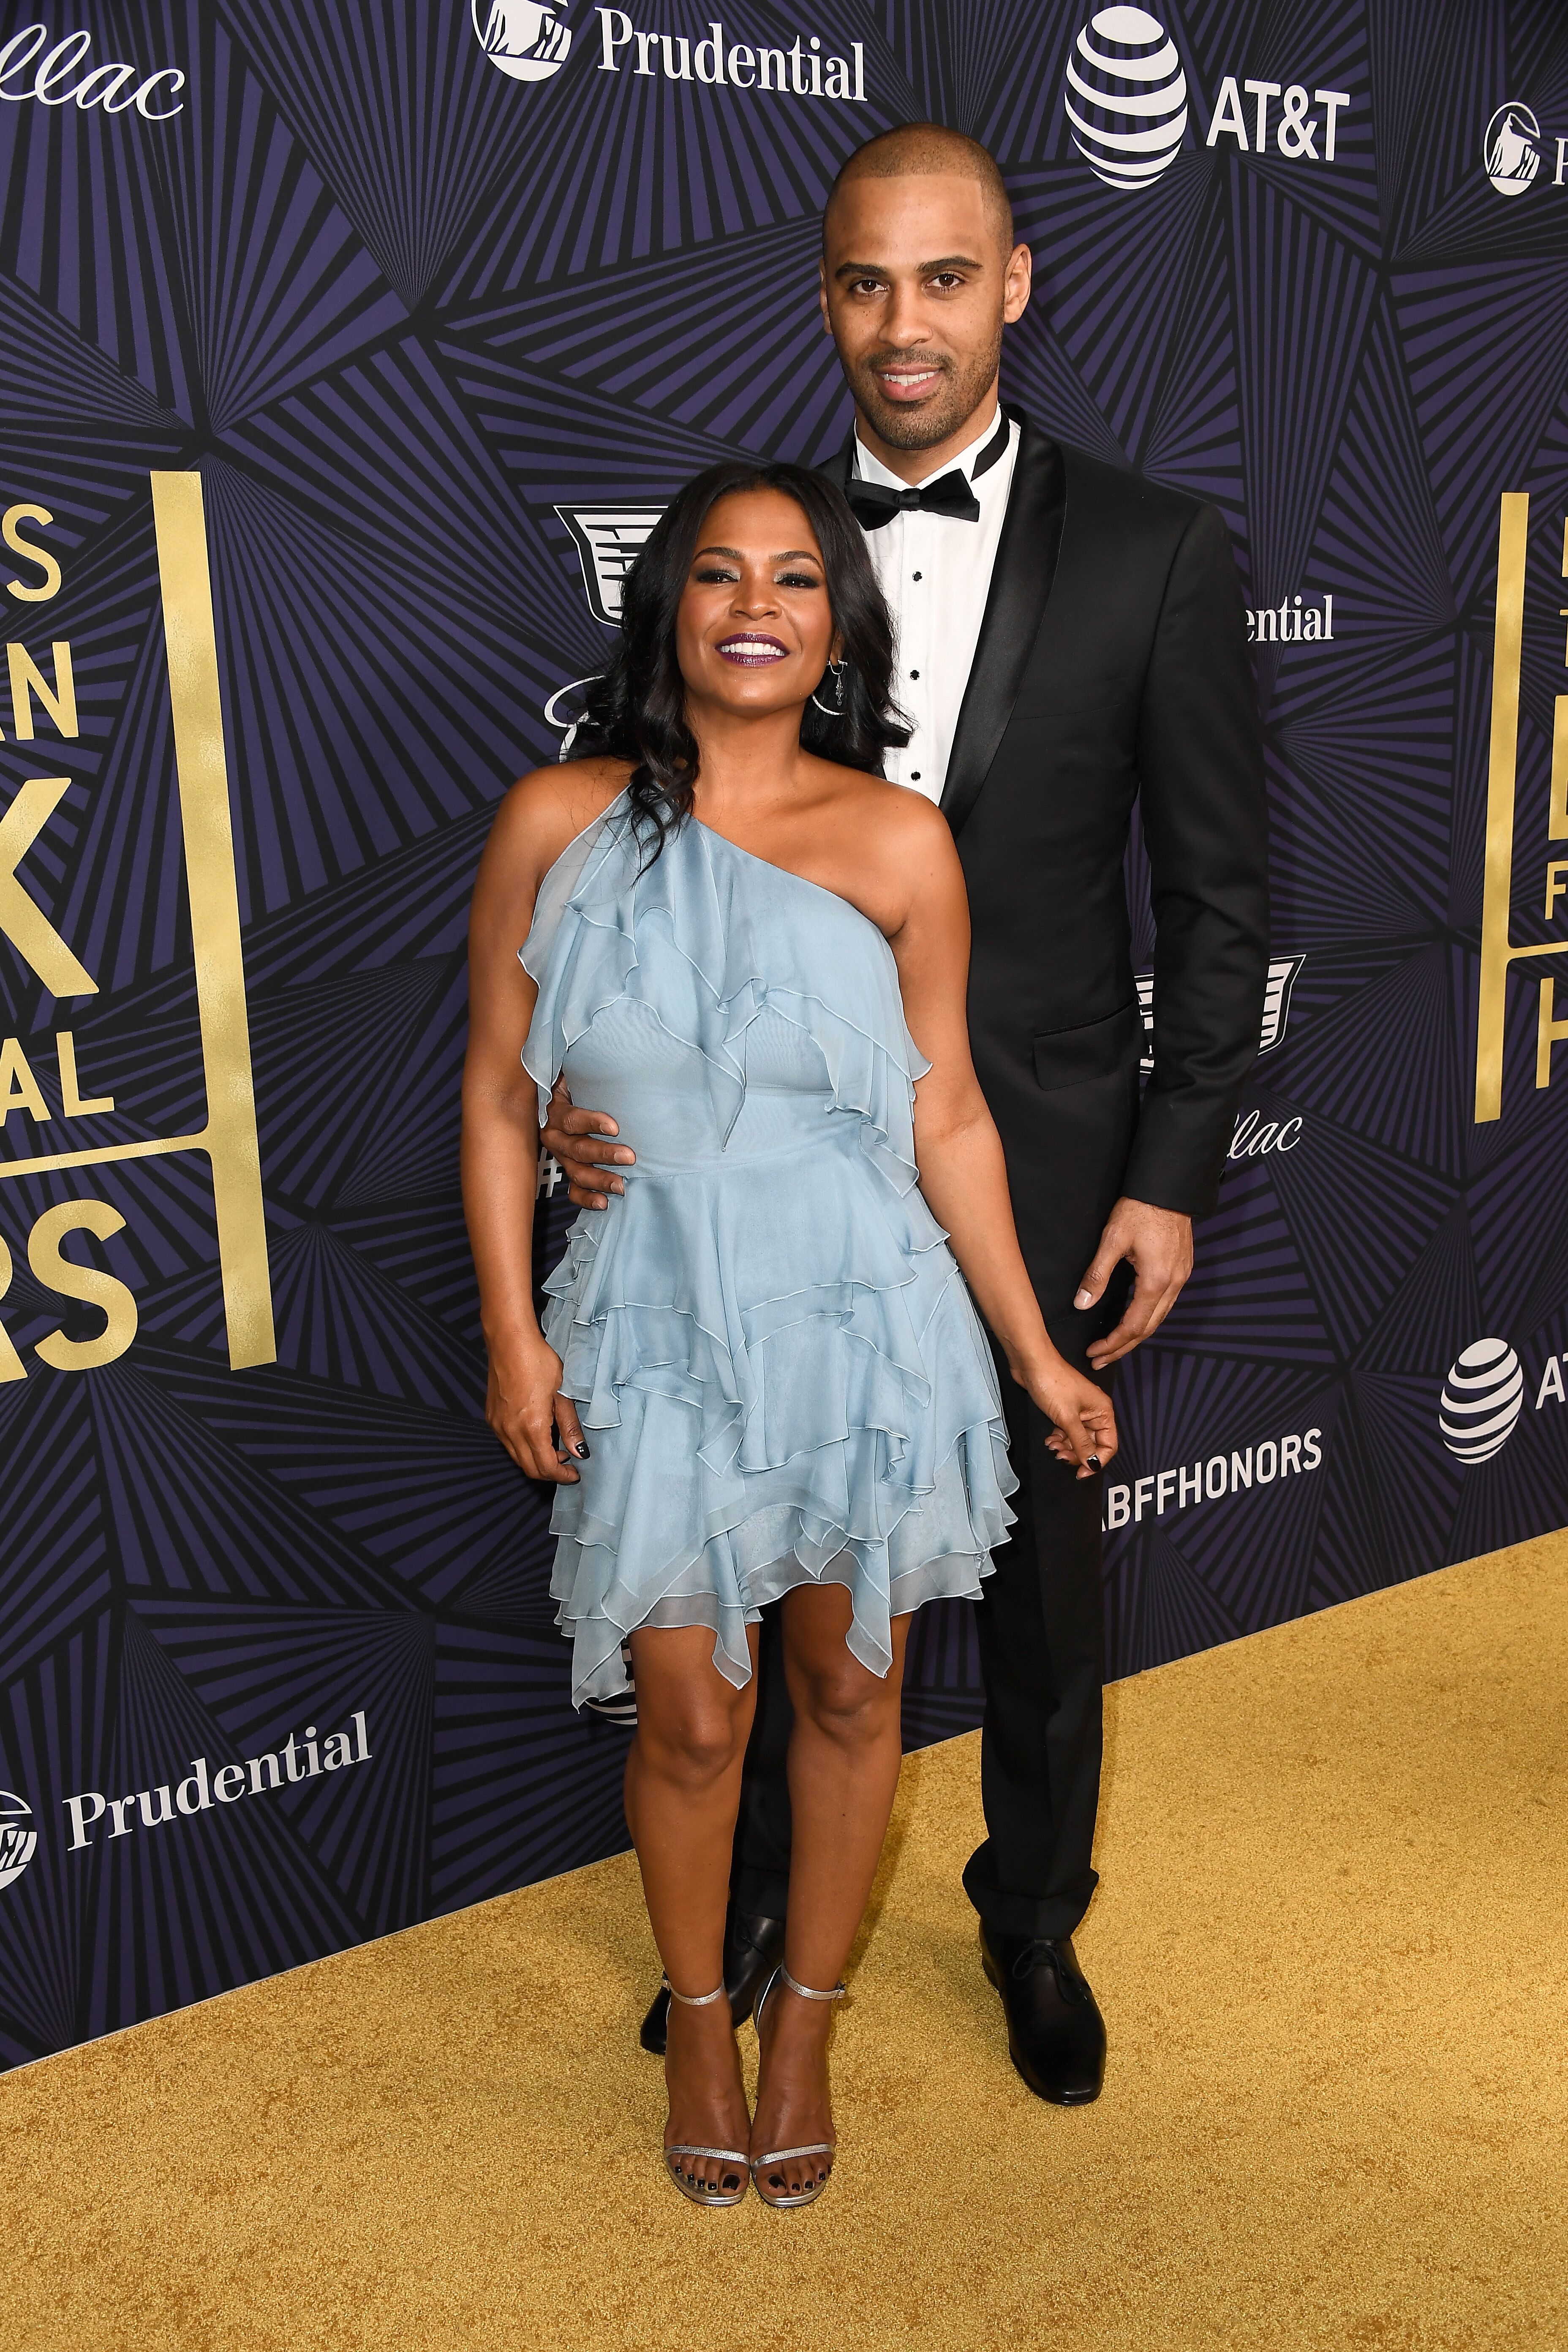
(893, 810)
(546, 811)
(893, 847)
(901, 827)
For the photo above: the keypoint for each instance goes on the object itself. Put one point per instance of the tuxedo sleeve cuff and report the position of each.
(1178, 1155)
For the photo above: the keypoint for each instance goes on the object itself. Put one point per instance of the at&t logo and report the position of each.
(1126, 98)
(1510, 151)
(1483, 1399)
(17, 1837)
(1131, 107)
(523, 39)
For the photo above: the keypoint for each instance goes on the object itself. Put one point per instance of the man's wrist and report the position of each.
(1133, 1222)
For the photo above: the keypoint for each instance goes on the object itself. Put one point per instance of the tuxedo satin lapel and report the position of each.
(836, 468)
(1020, 590)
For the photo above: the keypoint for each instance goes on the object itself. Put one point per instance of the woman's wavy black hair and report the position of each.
(636, 709)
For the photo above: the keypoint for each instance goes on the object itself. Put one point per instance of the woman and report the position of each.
(761, 1377)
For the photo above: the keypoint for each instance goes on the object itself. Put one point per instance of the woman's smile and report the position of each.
(751, 648)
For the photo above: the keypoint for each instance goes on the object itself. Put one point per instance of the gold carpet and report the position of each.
(1331, 1943)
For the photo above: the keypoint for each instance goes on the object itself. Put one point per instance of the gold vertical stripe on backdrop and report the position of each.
(1508, 641)
(1557, 812)
(202, 767)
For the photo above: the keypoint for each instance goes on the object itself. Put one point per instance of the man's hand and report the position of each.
(1158, 1245)
(576, 1142)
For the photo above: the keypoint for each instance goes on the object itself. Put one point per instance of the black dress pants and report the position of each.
(759, 1871)
(1040, 1621)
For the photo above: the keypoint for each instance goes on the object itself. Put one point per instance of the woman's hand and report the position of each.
(1083, 1419)
(524, 1406)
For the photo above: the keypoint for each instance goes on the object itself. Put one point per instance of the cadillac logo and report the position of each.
(1283, 974)
(607, 539)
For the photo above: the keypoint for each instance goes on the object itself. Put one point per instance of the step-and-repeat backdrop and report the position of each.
(347, 351)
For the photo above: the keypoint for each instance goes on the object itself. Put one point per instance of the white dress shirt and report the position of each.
(935, 572)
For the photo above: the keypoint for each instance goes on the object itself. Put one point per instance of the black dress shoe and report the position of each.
(1055, 2034)
(753, 1949)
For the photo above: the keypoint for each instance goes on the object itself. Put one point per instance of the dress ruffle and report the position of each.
(773, 1352)
(680, 936)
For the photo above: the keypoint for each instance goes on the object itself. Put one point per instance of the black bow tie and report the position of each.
(874, 503)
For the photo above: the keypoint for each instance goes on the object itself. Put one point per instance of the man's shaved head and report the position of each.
(916, 149)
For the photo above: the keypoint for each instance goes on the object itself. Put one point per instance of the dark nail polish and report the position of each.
(582, 1453)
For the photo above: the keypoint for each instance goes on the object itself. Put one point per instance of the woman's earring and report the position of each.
(835, 709)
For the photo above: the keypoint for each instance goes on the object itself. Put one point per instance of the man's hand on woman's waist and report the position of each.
(576, 1141)
(1157, 1243)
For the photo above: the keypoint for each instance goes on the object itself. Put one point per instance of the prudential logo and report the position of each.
(1510, 150)
(1126, 98)
(521, 39)
(18, 1838)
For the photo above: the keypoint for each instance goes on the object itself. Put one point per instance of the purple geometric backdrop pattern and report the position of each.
(400, 301)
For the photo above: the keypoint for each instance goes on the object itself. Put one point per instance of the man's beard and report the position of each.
(945, 412)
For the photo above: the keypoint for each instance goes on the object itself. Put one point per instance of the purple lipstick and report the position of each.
(752, 648)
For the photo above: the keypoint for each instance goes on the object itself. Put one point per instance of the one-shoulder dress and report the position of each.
(778, 1367)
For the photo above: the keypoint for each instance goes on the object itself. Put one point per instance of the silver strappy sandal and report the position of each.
(817, 2148)
(694, 2190)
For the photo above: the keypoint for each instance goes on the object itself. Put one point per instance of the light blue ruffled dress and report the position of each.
(778, 1367)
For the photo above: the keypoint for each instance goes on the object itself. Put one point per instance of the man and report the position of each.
(1070, 639)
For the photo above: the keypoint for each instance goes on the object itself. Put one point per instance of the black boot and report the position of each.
(1055, 2031)
(753, 1949)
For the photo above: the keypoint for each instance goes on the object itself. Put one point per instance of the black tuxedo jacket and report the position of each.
(1111, 667)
